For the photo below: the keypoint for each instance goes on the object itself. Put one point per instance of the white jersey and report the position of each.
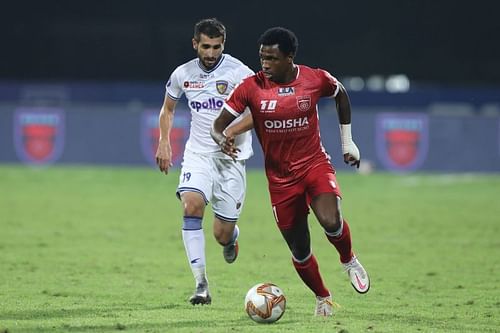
(206, 92)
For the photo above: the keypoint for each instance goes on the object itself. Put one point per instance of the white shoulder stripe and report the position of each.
(231, 110)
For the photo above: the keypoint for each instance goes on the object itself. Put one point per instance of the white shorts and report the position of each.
(220, 181)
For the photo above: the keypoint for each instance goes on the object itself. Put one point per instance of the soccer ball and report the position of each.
(265, 303)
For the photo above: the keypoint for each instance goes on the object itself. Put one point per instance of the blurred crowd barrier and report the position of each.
(431, 129)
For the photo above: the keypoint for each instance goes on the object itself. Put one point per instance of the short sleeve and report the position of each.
(243, 73)
(329, 84)
(237, 100)
(173, 87)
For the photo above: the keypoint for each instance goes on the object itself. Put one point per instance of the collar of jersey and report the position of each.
(214, 68)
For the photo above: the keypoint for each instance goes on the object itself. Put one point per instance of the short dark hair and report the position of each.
(211, 27)
(286, 40)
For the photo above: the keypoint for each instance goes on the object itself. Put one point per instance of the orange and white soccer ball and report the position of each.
(265, 303)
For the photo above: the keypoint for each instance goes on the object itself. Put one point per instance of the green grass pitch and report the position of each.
(87, 249)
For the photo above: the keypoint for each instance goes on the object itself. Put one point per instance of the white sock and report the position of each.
(194, 243)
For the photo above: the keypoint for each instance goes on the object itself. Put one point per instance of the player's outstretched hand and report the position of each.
(164, 157)
(229, 148)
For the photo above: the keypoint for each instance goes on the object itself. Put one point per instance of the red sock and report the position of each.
(309, 273)
(343, 244)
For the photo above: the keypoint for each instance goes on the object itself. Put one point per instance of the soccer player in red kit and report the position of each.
(283, 100)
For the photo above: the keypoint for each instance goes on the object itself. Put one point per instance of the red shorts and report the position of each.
(291, 202)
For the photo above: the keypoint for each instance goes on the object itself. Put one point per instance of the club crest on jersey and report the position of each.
(150, 134)
(194, 85)
(221, 86)
(39, 134)
(286, 91)
(304, 102)
(402, 140)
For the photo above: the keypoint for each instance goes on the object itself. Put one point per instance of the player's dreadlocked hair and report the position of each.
(211, 27)
(287, 42)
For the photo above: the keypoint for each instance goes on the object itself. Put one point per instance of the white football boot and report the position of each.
(324, 306)
(359, 277)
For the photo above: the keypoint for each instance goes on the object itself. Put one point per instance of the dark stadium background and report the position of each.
(449, 42)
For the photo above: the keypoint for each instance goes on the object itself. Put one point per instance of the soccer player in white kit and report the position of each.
(207, 174)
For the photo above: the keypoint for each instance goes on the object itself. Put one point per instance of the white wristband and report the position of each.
(345, 134)
(348, 146)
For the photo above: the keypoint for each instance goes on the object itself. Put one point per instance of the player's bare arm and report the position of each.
(349, 148)
(226, 143)
(240, 127)
(164, 151)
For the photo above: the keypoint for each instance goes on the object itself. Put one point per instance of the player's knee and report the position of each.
(330, 223)
(193, 207)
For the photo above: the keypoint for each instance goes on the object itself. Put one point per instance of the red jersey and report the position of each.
(285, 118)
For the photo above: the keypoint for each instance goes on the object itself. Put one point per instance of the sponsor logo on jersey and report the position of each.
(192, 85)
(286, 91)
(304, 102)
(205, 76)
(286, 124)
(221, 86)
(39, 134)
(402, 140)
(210, 104)
(150, 134)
